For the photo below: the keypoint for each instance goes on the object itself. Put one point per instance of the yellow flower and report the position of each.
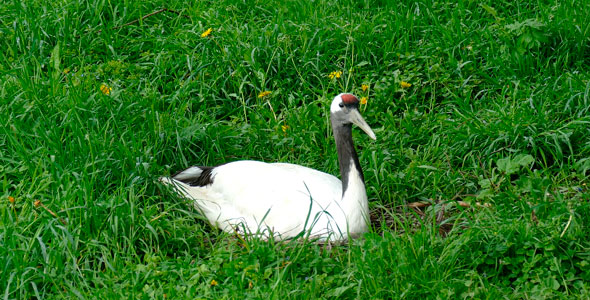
(335, 74)
(11, 199)
(285, 128)
(405, 84)
(37, 203)
(264, 94)
(214, 283)
(364, 87)
(206, 33)
(66, 70)
(364, 100)
(105, 89)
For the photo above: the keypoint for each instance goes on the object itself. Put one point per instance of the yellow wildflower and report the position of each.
(11, 199)
(264, 94)
(214, 283)
(206, 33)
(405, 84)
(66, 70)
(285, 128)
(364, 100)
(335, 74)
(37, 203)
(105, 89)
(364, 87)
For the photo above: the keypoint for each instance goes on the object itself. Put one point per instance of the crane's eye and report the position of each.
(341, 104)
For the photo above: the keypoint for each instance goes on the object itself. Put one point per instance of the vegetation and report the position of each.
(478, 180)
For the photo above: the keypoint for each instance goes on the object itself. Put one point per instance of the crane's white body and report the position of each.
(294, 200)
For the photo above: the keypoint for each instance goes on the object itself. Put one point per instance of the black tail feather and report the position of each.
(193, 177)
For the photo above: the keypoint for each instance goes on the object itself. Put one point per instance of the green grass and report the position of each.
(497, 117)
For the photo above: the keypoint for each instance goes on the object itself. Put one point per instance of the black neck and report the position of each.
(346, 152)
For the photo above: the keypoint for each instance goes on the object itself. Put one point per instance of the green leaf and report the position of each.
(337, 292)
(427, 167)
(582, 165)
(512, 165)
(485, 183)
(505, 165)
(55, 61)
(523, 160)
(362, 64)
(515, 27)
(485, 193)
(552, 282)
(492, 11)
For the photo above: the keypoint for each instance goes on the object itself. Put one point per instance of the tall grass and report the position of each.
(491, 140)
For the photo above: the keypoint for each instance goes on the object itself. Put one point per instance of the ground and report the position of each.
(478, 180)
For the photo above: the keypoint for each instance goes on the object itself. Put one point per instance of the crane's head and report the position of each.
(345, 110)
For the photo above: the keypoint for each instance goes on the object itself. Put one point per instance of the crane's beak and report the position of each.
(356, 118)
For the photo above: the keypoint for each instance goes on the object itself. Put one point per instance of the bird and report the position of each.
(286, 200)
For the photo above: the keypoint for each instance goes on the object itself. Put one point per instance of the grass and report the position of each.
(497, 116)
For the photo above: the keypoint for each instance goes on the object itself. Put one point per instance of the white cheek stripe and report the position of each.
(335, 104)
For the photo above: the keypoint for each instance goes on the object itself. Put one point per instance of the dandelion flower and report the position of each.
(285, 128)
(264, 94)
(364, 100)
(335, 74)
(405, 84)
(364, 87)
(105, 89)
(214, 283)
(206, 33)
(11, 199)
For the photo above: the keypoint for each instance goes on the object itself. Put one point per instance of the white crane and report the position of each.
(282, 199)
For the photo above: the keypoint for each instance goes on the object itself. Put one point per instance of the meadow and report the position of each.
(478, 180)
